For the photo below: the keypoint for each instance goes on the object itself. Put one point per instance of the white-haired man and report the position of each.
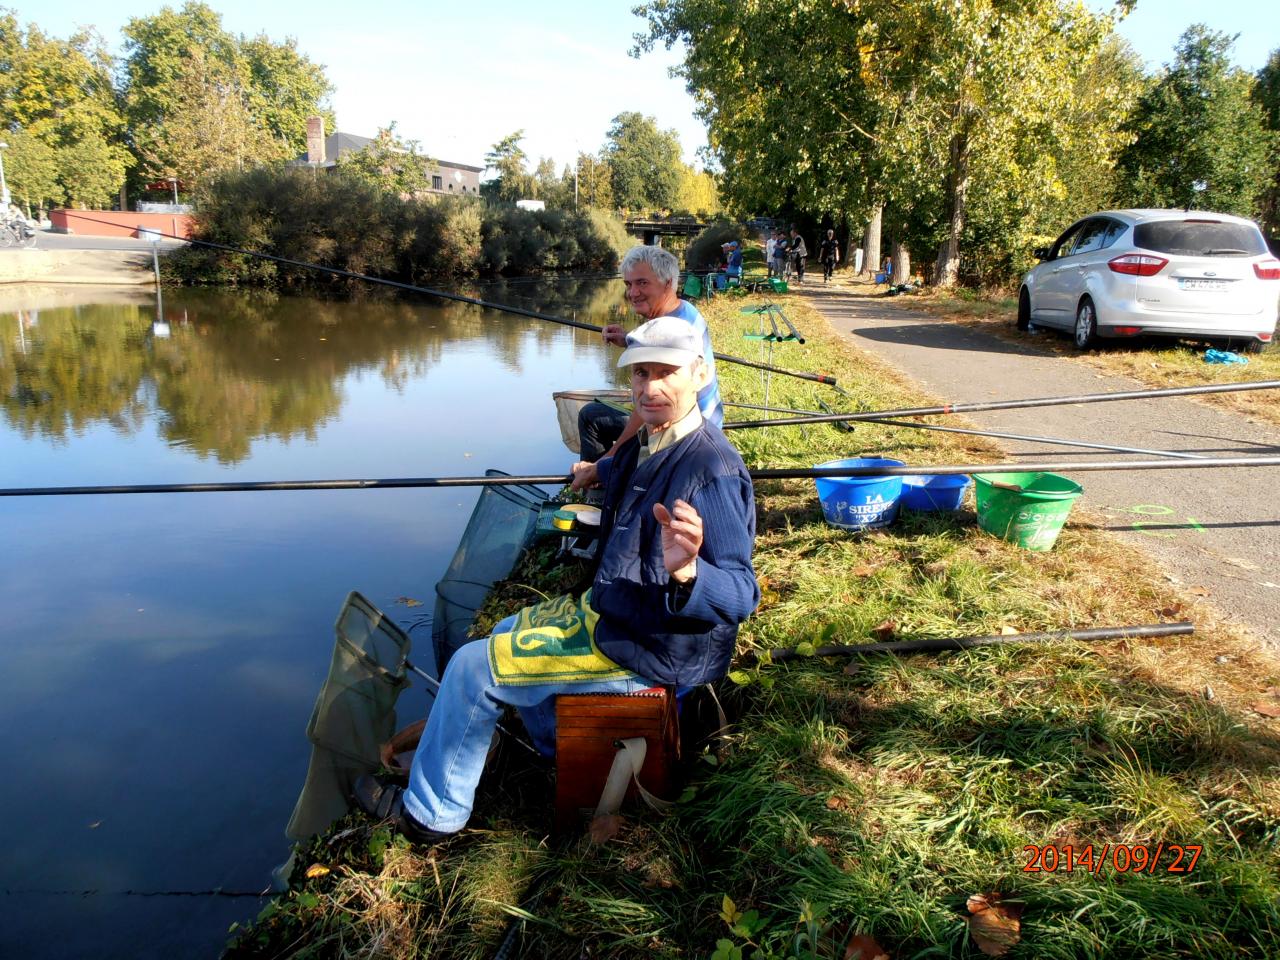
(651, 276)
(673, 580)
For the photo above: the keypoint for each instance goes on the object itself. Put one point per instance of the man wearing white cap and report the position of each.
(650, 275)
(673, 581)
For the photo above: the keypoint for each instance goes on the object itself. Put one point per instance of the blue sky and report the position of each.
(457, 78)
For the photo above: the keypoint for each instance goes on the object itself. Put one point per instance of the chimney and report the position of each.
(315, 139)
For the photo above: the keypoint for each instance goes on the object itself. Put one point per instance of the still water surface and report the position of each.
(160, 654)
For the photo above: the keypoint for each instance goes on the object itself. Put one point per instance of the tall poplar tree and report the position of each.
(1200, 139)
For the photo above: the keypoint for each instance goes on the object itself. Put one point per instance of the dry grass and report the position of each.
(875, 795)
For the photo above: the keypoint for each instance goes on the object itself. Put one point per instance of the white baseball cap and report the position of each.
(662, 340)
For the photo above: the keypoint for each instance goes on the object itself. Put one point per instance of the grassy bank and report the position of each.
(1157, 362)
(876, 796)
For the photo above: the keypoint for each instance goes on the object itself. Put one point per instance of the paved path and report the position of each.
(1216, 529)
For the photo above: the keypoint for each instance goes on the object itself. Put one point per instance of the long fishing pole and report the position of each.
(948, 408)
(460, 298)
(1062, 442)
(1180, 628)
(780, 473)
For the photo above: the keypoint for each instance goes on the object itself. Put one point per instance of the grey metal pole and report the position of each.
(948, 408)
(782, 473)
(459, 298)
(964, 643)
(1050, 440)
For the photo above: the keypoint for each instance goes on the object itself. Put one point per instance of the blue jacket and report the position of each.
(649, 623)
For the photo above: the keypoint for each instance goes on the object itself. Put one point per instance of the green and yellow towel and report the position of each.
(552, 642)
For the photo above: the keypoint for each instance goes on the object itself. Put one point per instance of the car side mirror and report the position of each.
(1040, 253)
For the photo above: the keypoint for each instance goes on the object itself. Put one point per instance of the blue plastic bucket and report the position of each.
(934, 492)
(859, 503)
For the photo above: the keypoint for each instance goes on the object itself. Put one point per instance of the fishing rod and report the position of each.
(1181, 628)
(948, 408)
(780, 473)
(460, 298)
(1052, 440)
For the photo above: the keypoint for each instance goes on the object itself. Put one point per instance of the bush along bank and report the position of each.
(335, 220)
(910, 800)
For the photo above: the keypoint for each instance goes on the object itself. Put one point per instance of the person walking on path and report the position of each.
(830, 255)
(799, 254)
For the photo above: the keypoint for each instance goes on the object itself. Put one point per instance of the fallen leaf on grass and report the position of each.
(866, 570)
(863, 947)
(317, 870)
(605, 827)
(885, 629)
(1171, 611)
(994, 925)
(936, 569)
(852, 669)
(1267, 709)
(409, 601)
(1198, 591)
(836, 803)
(1008, 632)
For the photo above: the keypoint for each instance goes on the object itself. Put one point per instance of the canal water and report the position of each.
(160, 654)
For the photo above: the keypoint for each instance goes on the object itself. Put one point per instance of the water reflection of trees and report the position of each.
(238, 367)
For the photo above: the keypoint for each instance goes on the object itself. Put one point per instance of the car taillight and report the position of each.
(1267, 270)
(1138, 264)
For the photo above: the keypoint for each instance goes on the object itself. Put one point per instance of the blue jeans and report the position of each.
(599, 427)
(450, 756)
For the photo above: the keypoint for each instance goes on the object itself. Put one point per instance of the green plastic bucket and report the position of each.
(1028, 509)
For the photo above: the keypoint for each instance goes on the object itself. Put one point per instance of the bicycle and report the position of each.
(17, 232)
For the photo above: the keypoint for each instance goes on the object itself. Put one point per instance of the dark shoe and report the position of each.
(385, 801)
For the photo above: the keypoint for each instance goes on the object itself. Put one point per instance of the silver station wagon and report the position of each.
(1173, 273)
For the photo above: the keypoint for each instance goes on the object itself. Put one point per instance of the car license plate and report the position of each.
(1196, 283)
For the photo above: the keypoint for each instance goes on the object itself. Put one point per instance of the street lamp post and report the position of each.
(4, 187)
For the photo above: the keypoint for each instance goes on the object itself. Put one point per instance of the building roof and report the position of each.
(338, 143)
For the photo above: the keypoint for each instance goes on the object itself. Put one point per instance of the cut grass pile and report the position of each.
(875, 796)
(1157, 362)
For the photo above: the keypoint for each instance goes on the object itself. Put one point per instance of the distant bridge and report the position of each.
(649, 229)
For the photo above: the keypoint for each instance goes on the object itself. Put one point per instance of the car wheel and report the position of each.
(1086, 331)
(1252, 345)
(1024, 309)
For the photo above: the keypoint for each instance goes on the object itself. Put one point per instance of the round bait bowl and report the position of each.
(934, 492)
(860, 503)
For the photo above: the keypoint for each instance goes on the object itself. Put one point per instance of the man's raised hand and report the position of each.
(681, 539)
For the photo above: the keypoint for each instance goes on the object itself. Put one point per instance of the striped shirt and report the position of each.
(709, 396)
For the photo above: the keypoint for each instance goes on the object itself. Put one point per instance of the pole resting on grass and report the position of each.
(946, 408)
(782, 473)
(964, 643)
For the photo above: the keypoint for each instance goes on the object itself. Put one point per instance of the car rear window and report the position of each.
(1200, 238)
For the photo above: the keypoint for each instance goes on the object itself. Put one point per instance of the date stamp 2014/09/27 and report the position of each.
(1175, 858)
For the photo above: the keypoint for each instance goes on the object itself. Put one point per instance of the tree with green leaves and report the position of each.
(509, 160)
(200, 100)
(31, 170)
(595, 181)
(59, 108)
(644, 163)
(859, 105)
(1200, 139)
(1266, 94)
(390, 164)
